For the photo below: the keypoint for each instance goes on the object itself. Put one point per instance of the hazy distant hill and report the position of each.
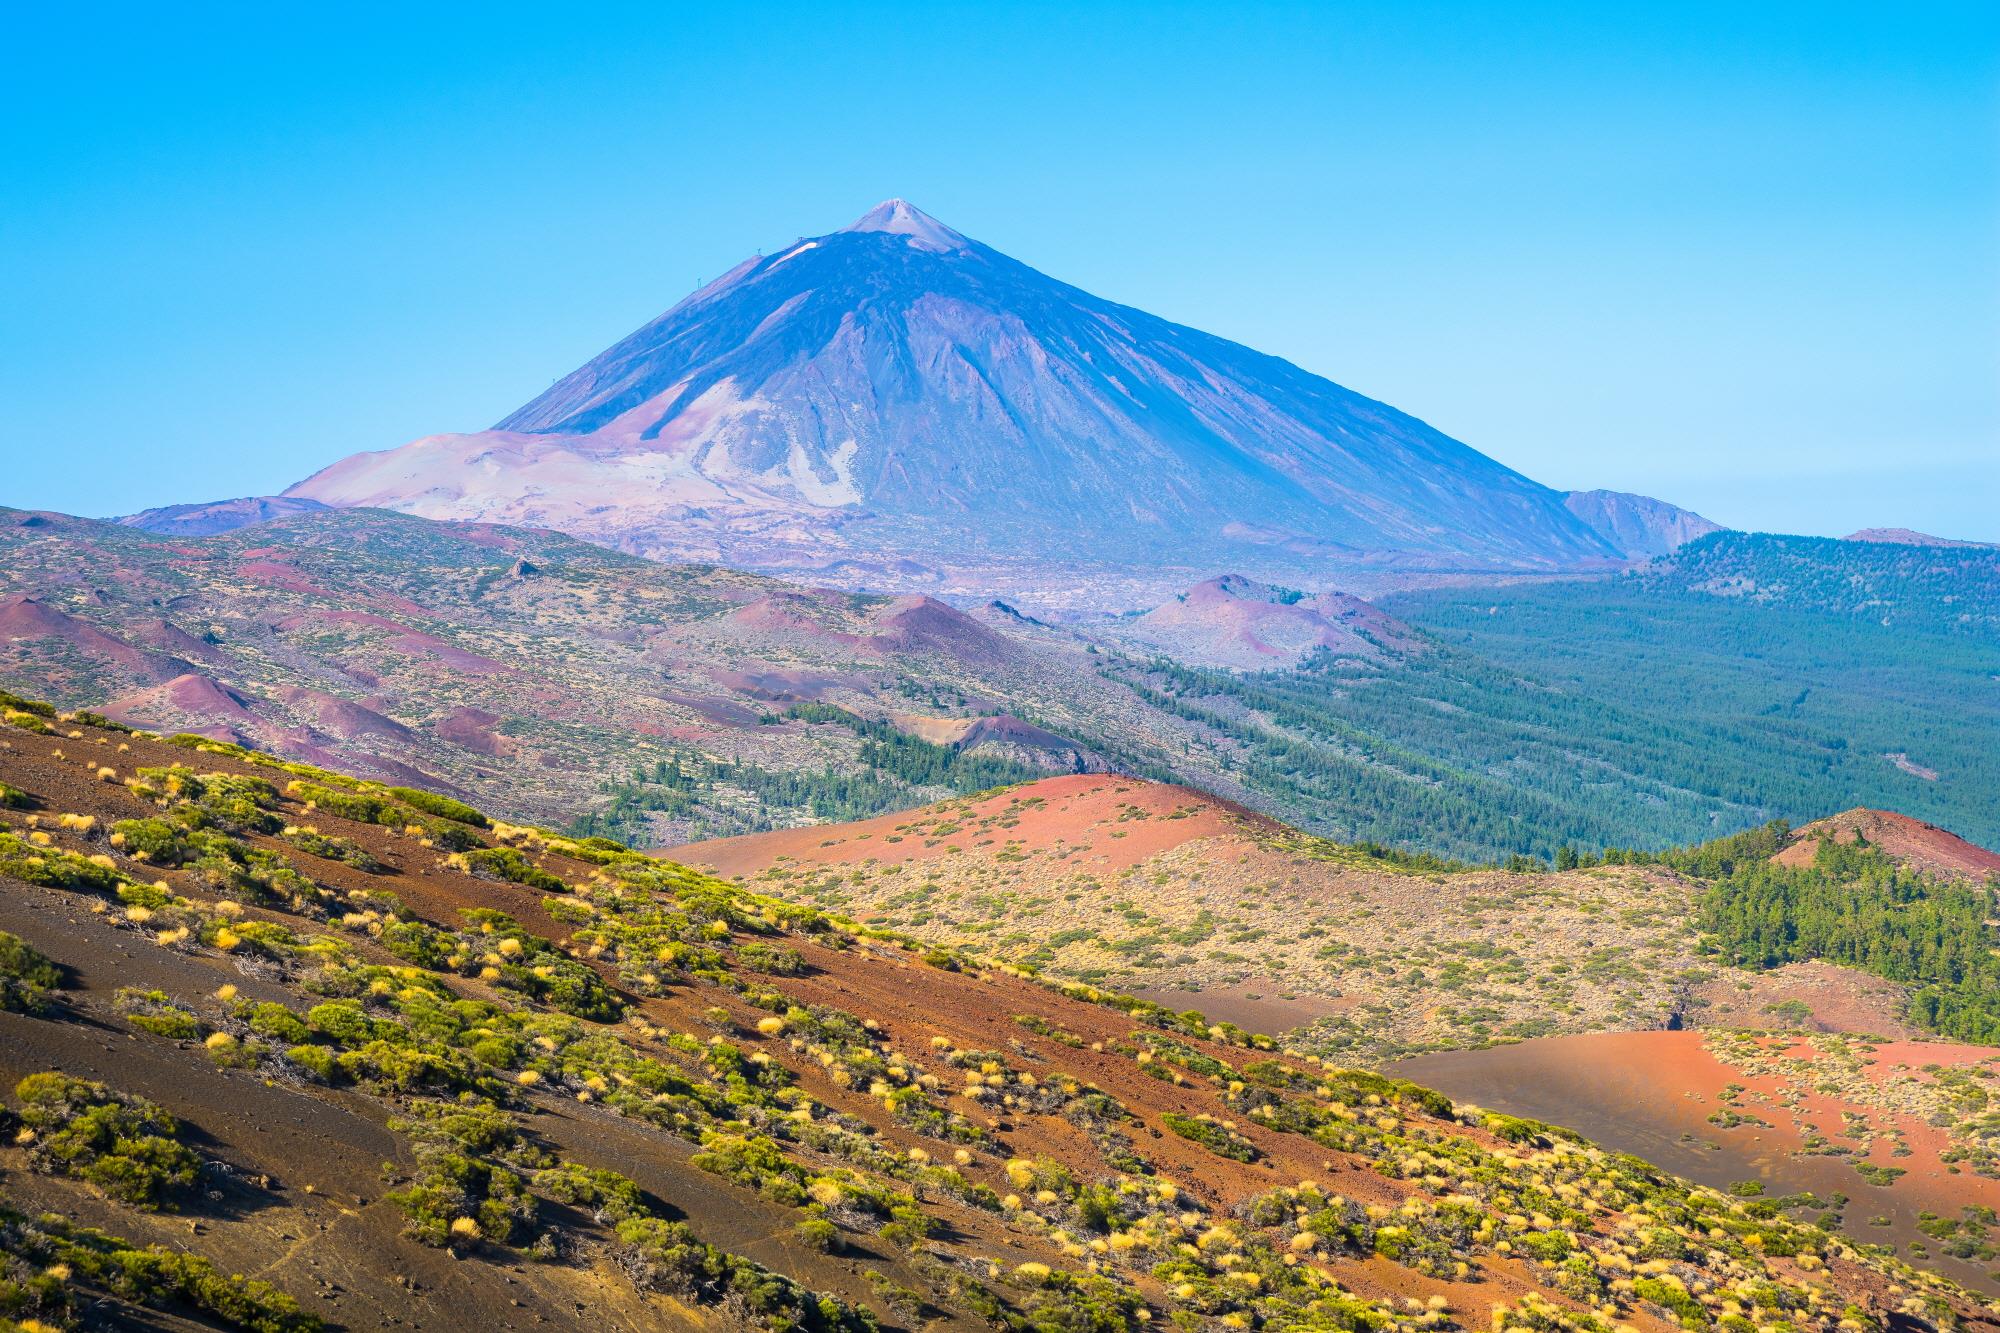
(1638, 525)
(1905, 581)
(207, 519)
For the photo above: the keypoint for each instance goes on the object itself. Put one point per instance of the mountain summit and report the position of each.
(894, 402)
(900, 217)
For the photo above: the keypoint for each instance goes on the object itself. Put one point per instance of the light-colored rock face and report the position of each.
(895, 390)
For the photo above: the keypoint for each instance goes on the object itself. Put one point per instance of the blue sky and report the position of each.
(1746, 258)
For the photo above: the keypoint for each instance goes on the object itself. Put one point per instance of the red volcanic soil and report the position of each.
(28, 618)
(1651, 1094)
(912, 624)
(1238, 622)
(171, 638)
(409, 641)
(343, 717)
(473, 728)
(918, 624)
(279, 574)
(786, 612)
(1087, 810)
(1910, 841)
(1836, 999)
(190, 702)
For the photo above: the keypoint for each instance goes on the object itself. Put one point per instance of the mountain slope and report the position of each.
(554, 679)
(1168, 892)
(896, 392)
(211, 517)
(1949, 587)
(1236, 622)
(531, 669)
(410, 1066)
(1909, 537)
(1906, 841)
(1638, 525)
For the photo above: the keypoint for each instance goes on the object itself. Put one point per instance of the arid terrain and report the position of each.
(565, 683)
(1167, 892)
(390, 1061)
(1910, 841)
(1904, 1131)
(534, 669)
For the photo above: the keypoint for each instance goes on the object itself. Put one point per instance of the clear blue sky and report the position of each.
(1739, 256)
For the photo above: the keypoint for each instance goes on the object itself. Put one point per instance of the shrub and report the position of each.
(452, 1189)
(772, 959)
(508, 864)
(668, 1256)
(345, 850)
(444, 807)
(1211, 1136)
(35, 707)
(152, 839)
(820, 1234)
(269, 1019)
(123, 1145)
(53, 868)
(26, 976)
(357, 806)
(157, 1012)
(607, 1195)
(152, 1275)
(318, 1061)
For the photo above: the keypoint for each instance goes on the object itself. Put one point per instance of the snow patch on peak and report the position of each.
(809, 245)
(900, 217)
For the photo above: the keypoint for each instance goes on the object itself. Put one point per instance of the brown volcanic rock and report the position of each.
(1919, 845)
(475, 729)
(170, 638)
(1082, 809)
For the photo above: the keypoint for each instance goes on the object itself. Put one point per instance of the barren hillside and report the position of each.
(392, 1061)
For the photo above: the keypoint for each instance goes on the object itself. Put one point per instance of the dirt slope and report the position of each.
(790, 1087)
(1190, 900)
(1911, 841)
(1884, 1122)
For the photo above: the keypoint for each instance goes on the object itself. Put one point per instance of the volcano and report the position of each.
(895, 404)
